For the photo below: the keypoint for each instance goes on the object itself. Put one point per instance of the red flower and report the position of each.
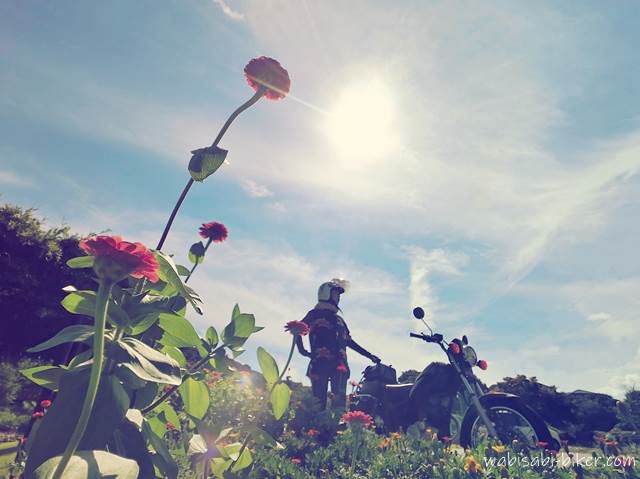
(170, 426)
(297, 328)
(118, 259)
(45, 403)
(482, 364)
(37, 414)
(312, 432)
(268, 73)
(455, 348)
(542, 444)
(357, 417)
(342, 368)
(295, 460)
(214, 231)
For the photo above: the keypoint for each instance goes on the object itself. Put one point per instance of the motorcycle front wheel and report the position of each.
(512, 420)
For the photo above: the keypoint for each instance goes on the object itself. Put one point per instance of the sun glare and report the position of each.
(361, 123)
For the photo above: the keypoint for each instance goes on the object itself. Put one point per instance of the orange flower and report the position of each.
(471, 465)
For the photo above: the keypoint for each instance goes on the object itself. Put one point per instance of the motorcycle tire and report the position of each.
(500, 402)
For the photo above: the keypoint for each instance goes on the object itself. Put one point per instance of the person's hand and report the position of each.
(375, 359)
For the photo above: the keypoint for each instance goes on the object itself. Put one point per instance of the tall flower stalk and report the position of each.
(213, 232)
(114, 260)
(267, 78)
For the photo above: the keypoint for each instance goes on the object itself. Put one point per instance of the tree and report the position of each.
(32, 261)
(408, 376)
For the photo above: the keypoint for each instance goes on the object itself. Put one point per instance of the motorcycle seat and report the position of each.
(397, 392)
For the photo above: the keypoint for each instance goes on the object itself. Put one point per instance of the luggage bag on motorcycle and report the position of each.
(376, 377)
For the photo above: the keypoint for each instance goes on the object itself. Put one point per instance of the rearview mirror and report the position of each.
(418, 312)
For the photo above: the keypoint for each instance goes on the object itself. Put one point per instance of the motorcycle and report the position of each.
(450, 398)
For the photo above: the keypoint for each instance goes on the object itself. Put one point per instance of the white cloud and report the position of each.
(228, 11)
(423, 265)
(255, 190)
(14, 179)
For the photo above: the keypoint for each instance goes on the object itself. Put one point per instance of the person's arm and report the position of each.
(301, 348)
(360, 350)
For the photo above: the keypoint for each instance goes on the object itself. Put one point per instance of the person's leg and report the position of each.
(339, 389)
(319, 386)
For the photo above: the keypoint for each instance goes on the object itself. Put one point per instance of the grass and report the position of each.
(7, 454)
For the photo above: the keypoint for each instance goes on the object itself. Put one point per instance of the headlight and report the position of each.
(470, 355)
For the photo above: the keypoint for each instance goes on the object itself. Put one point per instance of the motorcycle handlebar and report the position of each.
(436, 338)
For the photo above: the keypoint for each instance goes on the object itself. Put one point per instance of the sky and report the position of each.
(479, 159)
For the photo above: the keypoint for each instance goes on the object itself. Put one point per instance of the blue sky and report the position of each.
(479, 159)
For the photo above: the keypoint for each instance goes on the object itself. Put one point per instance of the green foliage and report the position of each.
(195, 397)
(280, 397)
(196, 253)
(629, 410)
(33, 274)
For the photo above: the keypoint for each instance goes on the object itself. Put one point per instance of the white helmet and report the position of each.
(324, 291)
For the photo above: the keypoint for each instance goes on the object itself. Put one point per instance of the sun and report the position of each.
(361, 124)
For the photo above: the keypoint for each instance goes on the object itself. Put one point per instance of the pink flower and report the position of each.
(267, 72)
(297, 328)
(312, 432)
(342, 368)
(214, 231)
(37, 414)
(45, 403)
(118, 259)
(542, 444)
(295, 460)
(357, 417)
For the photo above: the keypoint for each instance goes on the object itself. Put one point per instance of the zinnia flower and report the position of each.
(37, 414)
(312, 432)
(471, 465)
(295, 460)
(45, 403)
(117, 259)
(214, 231)
(541, 444)
(297, 328)
(357, 417)
(267, 72)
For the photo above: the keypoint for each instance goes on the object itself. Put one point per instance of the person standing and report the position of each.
(329, 338)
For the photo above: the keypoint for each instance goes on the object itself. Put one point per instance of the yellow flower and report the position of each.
(499, 449)
(471, 465)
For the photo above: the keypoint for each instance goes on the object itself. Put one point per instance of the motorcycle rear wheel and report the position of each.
(512, 419)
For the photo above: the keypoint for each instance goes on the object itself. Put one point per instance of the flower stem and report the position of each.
(259, 93)
(196, 264)
(102, 303)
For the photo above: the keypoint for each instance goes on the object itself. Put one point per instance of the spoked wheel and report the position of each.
(510, 425)
(512, 421)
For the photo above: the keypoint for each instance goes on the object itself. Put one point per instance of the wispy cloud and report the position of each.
(255, 190)
(12, 178)
(228, 11)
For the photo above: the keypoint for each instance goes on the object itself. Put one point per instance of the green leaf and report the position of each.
(268, 366)
(169, 274)
(45, 376)
(205, 162)
(78, 333)
(196, 253)
(157, 425)
(219, 466)
(243, 461)
(54, 432)
(212, 337)
(128, 441)
(182, 270)
(84, 302)
(167, 465)
(167, 414)
(144, 361)
(195, 397)
(280, 399)
(179, 332)
(176, 354)
(244, 325)
(145, 396)
(81, 262)
(91, 464)
(263, 438)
